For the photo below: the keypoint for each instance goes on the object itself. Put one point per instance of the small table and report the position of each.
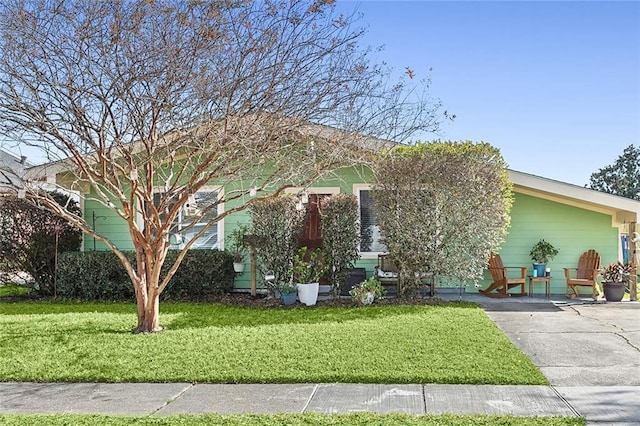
(546, 280)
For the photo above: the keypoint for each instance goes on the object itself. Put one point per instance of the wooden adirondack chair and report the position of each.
(501, 280)
(586, 275)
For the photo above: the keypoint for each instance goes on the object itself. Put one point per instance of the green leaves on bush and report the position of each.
(101, 276)
(340, 236)
(28, 238)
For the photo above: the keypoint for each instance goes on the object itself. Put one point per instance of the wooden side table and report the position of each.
(546, 280)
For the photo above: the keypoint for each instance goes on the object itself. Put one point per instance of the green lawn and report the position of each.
(13, 290)
(441, 343)
(294, 419)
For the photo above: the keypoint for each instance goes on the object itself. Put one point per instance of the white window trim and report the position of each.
(220, 210)
(357, 187)
(315, 190)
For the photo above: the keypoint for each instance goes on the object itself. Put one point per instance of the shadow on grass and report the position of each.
(202, 316)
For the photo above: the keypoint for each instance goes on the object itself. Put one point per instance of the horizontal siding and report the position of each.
(343, 179)
(570, 229)
(107, 223)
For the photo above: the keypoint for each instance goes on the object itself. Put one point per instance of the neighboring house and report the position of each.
(11, 166)
(572, 218)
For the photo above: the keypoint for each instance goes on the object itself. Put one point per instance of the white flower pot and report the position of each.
(238, 267)
(308, 293)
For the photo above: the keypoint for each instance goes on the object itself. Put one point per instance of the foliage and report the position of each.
(442, 207)
(238, 242)
(28, 238)
(302, 419)
(212, 343)
(621, 178)
(616, 272)
(287, 287)
(278, 225)
(543, 251)
(371, 285)
(340, 236)
(307, 266)
(100, 276)
(145, 103)
(12, 290)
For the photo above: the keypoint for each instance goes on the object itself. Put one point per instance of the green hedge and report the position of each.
(100, 275)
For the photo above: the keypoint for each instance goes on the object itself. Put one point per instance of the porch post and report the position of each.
(252, 256)
(633, 278)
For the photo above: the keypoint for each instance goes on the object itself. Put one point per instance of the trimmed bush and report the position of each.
(28, 238)
(101, 276)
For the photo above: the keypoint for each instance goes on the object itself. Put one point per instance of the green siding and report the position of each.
(343, 179)
(571, 230)
(106, 223)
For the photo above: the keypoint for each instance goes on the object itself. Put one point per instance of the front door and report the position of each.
(312, 234)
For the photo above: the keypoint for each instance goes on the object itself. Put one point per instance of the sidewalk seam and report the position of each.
(553, 388)
(313, 393)
(173, 398)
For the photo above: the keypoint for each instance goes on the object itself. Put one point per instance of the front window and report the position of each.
(370, 238)
(190, 214)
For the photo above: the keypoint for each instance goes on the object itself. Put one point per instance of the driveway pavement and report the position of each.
(589, 351)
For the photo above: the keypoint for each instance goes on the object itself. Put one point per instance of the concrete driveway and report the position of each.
(589, 351)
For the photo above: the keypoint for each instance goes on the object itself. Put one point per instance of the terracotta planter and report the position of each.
(613, 291)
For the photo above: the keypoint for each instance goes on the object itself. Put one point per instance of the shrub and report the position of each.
(101, 276)
(28, 238)
(95, 275)
(277, 225)
(340, 236)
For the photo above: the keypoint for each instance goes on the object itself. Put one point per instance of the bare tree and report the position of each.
(145, 102)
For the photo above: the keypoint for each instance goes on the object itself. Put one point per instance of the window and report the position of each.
(190, 213)
(370, 238)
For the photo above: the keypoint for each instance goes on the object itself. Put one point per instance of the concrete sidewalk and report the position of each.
(181, 398)
(590, 352)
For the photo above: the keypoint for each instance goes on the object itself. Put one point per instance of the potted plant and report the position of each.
(367, 292)
(238, 247)
(615, 279)
(289, 292)
(306, 270)
(541, 253)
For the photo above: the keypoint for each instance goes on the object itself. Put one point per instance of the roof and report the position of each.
(11, 165)
(620, 208)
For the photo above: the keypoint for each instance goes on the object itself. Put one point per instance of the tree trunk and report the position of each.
(148, 295)
(149, 314)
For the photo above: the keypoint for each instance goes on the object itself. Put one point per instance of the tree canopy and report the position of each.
(442, 207)
(622, 177)
(140, 104)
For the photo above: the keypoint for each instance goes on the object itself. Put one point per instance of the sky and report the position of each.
(555, 85)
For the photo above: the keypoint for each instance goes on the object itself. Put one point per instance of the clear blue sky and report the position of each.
(554, 85)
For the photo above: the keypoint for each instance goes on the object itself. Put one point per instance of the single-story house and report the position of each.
(574, 219)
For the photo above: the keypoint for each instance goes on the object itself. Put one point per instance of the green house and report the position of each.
(574, 219)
